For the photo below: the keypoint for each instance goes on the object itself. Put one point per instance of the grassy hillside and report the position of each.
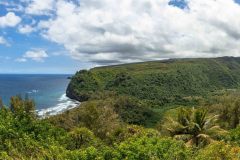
(156, 86)
(158, 82)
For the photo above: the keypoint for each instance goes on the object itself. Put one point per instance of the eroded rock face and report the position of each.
(82, 86)
(70, 93)
(73, 94)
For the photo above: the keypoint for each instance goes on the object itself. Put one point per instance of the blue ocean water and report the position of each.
(48, 91)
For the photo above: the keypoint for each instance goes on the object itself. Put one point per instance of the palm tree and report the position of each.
(193, 126)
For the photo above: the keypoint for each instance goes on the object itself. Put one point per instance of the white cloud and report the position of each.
(110, 31)
(36, 55)
(25, 29)
(3, 41)
(104, 31)
(21, 60)
(9, 20)
(134, 30)
(40, 7)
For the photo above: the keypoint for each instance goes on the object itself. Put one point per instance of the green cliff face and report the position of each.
(158, 82)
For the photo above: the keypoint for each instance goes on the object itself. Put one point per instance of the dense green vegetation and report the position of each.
(159, 85)
(158, 82)
(96, 131)
(169, 110)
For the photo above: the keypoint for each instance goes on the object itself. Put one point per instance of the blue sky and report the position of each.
(18, 44)
(63, 36)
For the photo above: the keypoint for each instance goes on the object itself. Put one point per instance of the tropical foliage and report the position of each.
(95, 131)
(168, 110)
(194, 126)
(158, 84)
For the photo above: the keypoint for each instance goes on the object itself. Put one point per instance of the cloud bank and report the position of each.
(110, 31)
(138, 30)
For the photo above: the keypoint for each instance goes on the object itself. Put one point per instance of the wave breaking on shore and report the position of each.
(64, 104)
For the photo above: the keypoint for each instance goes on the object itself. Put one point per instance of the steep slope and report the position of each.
(158, 82)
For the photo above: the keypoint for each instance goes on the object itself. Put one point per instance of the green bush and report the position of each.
(146, 148)
(218, 151)
(132, 111)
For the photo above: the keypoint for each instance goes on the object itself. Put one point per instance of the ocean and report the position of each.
(48, 91)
